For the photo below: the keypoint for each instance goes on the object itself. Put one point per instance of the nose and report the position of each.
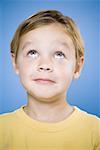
(45, 66)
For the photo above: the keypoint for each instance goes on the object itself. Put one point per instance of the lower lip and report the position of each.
(44, 81)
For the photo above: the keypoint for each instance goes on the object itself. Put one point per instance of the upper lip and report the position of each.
(44, 79)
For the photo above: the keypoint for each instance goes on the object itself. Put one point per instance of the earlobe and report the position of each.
(78, 68)
(15, 67)
(76, 75)
(16, 70)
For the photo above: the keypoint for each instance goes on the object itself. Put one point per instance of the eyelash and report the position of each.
(61, 54)
(58, 53)
(31, 52)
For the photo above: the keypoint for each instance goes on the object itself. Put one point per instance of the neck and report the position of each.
(52, 111)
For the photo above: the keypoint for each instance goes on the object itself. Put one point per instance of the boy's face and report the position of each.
(46, 62)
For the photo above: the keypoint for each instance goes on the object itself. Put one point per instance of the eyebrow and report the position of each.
(63, 43)
(57, 42)
(26, 44)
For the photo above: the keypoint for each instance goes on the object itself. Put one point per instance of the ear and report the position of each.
(14, 63)
(78, 68)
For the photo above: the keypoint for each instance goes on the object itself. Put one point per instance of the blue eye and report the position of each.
(59, 54)
(33, 53)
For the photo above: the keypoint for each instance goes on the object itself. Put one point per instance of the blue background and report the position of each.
(84, 92)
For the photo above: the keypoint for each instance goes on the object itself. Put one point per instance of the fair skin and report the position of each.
(46, 65)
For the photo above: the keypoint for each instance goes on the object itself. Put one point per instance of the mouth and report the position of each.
(44, 81)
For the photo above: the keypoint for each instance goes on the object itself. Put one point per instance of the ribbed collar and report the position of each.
(46, 126)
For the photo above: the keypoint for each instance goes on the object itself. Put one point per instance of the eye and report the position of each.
(33, 53)
(59, 54)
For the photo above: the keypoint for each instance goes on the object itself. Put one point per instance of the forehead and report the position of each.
(52, 34)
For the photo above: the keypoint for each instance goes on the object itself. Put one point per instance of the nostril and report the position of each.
(44, 68)
(41, 68)
(48, 69)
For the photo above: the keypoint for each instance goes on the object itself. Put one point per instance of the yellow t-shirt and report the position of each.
(80, 131)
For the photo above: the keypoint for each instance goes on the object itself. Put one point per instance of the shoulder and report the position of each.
(86, 115)
(89, 122)
(8, 117)
(87, 118)
(92, 125)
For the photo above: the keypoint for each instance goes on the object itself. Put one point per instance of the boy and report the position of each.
(47, 54)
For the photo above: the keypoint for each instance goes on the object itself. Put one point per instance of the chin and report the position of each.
(44, 97)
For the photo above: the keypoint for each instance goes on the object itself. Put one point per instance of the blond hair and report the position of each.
(44, 18)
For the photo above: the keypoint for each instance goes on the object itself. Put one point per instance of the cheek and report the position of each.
(65, 75)
(23, 69)
(66, 70)
(28, 65)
